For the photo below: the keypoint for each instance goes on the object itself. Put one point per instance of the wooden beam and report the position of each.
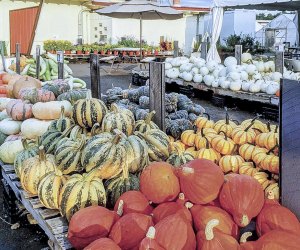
(2, 56)
(157, 93)
(204, 50)
(37, 59)
(279, 61)
(18, 66)
(95, 76)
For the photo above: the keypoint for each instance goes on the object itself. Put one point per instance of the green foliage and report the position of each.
(245, 40)
(57, 45)
(269, 16)
(131, 42)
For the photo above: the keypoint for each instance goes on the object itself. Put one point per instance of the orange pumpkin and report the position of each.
(247, 201)
(203, 214)
(6, 77)
(19, 110)
(103, 244)
(223, 144)
(156, 176)
(200, 180)
(262, 178)
(274, 216)
(3, 89)
(278, 240)
(246, 151)
(149, 242)
(188, 138)
(11, 84)
(208, 153)
(248, 168)
(205, 133)
(271, 139)
(204, 122)
(90, 224)
(231, 163)
(226, 125)
(209, 238)
(130, 230)
(176, 233)
(258, 155)
(133, 202)
(241, 135)
(25, 82)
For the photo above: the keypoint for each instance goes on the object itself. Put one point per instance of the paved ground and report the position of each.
(29, 237)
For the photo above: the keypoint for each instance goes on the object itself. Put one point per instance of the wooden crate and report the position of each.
(50, 220)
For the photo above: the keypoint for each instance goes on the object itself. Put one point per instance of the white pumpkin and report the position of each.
(230, 61)
(176, 62)
(10, 127)
(195, 71)
(198, 78)
(51, 110)
(234, 76)
(3, 102)
(254, 88)
(200, 63)
(33, 128)
(260, 66)
(186, 67)
(187, 76)
(246, 85)
(264, 85)
(208, 79)
(272, 66)
(216, 73)
(246, 57)
(168, 66)
(204, 71)
(223, 72)
(257, 76)
(9, 151)
(232, 68)
(244, 75)
(215, 84)
(272, 88)
(276, 76)
(169, 59)
(3, 115)
(224, 84)
(235, 86)
(250, 69)
(173, 73)
(211, 65)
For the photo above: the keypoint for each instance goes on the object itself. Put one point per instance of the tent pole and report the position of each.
(141, 31)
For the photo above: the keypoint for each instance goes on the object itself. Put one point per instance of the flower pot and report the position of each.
(156, 52)
(102, 52)
(109, 52)
(131, 53)
(149, 52)
(95, 51)
(137, 53)
(68, 52)
(124, 53)
(116, 53)
(145, 53)
(78, 52)
(52, 51)
(87, 52)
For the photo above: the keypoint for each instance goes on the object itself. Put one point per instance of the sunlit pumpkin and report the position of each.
(188, 137)
(231, 163)
(222, 144)
(208, 153)
(263, 179)
(241, 135)
(246, 151)
(204, 122)
(248, 168)
(226, 125)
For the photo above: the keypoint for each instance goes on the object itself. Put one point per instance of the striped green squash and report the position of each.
(87, 112)
(50, 187)
(51, 137)
(118, 118)
(106, 153)
(62, 123)
(77, 131)
(136, 153)
(158, 144)
(30, 150)
(81, 191)
(147, 124)
(68, 153)
(117, 186)
(179, 158)
(72, 95)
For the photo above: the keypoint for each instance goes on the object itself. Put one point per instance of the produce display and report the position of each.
(122, 183)
(252, 76)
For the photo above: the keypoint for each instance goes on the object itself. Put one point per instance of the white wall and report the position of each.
(56, 21)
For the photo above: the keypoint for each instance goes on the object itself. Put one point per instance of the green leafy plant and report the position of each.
(86, 47)
(50, 45)
(95, 47)
(78, 47)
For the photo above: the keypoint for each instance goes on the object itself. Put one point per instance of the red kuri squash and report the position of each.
(130, 230)
(243, 197)
(149, 242)
(159, 183)
(176, 233)
(90, 224)
(103, 244)
(200, 180)
(134, 202)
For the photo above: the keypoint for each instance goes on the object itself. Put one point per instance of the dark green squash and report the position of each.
(144, 91)
(141, 114)
(196, 109)
(117, 186)
(176, 127)
(171, 102)
(144, 102)
(131, 94)
(62, 123)
(179, 157)
(192, 117)
(181, 114)
(30, 150)
(72, 95)
(58, 86)
(146, 124)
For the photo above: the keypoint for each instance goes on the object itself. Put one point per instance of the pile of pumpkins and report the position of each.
(251, 76)
(249, 148)
(194, 206)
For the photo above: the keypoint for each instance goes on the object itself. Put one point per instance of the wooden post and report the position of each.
(289, 144)
(95, 76)
(2, 56)
(157, 92)
(60, 62)
(37, 59)
(176, 49)
(238, 53)
(204, 50)
(18, 66)
(279, 61)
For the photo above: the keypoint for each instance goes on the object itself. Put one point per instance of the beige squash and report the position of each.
(51, 110)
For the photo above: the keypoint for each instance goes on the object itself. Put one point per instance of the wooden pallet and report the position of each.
(50, 220)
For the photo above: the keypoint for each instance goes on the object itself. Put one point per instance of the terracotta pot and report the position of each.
(145, 53)
(109, 52)
(131, 53)
(78, 52)
(67, 51)
(102, 52)
(156, 52)
(116, 53)
(87, 52)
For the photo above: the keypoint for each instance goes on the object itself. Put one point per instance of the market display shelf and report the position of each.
(255, 97)
(50, 220)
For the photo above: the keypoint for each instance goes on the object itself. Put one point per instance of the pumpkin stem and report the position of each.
(62, 112)
(250, 125)
(151, 233)
(236, 122)
(208, 116)
(209, 232)
(207, 143)
(226, 116)
(245, 236)
(42, 154)
(24, 143)
(120, 208)
(188, 205)
(187, 170)
(272, 149)
(202, 132)
(149, 117)
(245, 220)
(222, 132)
(117, 137)
(181, 196)
(269, 126)
(257, 130)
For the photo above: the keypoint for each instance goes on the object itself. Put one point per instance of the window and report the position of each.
(103, 38)
(96, 28)
(96, 36)
(100, 32)
(105, 28)
(100, 24)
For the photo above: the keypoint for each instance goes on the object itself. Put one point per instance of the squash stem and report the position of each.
(94, 129)
(271, 195)
(151, 233)
(188, 170)
(42, 154)
(207, 143)
(120, 208)
(208, 116)
(149, 117)
(24, 143)
(209, 232)
(62, 112)
(245, 220)
(222, 132)
(245, 236)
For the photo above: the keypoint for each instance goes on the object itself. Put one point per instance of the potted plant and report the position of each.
(95, 48)
(108, 48)
(79, 49)
(102, 50)
(50, 46)
(67, 46)
(86, 49)
(156, 50)
(131, 53)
